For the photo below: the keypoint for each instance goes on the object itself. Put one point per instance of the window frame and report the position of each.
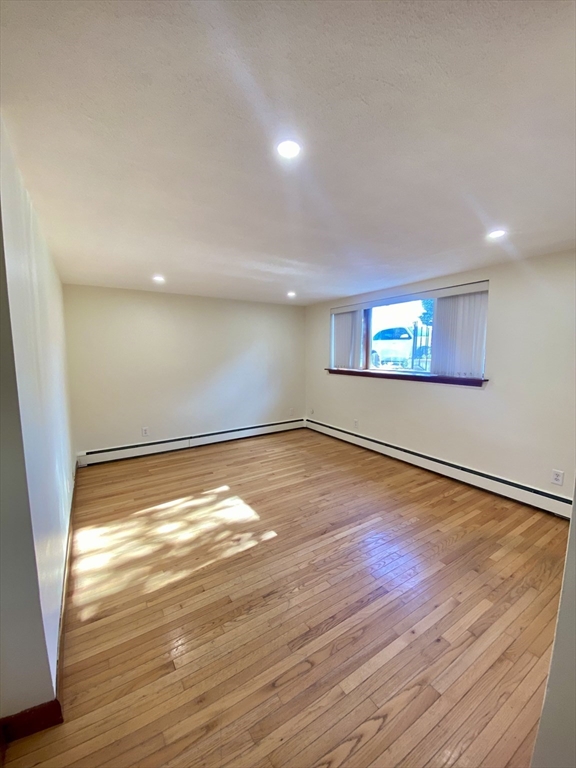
(366, 309)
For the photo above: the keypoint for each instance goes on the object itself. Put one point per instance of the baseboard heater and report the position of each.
(550, 502)
(178, 443)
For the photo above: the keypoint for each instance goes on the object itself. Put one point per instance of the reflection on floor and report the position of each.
(292, 600)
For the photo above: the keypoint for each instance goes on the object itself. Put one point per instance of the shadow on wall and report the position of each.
(120, 565)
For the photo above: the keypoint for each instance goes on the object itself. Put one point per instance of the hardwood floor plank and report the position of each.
(410, 738)
(292, 600)
(522, 758)
(380, 659)
(501, 723)
(454, 735)
(495, 632)
(524, 723)
(371, 738)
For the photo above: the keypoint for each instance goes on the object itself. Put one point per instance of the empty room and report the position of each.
(238, 237)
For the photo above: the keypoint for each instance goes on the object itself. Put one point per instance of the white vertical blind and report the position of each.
(347, 339)
(459, 337)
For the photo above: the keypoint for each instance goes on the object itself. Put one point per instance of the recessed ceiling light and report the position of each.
(496, 234)
(159, 279)
(288, 149)
(291, 295)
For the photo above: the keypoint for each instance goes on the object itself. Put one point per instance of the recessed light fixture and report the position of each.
(291, 295)
(496, 234)
(159, 279)
(288, 149)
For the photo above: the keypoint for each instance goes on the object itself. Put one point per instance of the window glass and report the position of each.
(443, 335)
(401, 336)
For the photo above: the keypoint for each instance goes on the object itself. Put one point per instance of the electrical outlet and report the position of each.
(355, 423)
(557, 477)
(145, 431)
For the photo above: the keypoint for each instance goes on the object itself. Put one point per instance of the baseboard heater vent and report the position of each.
(178, 443)
(559, 505)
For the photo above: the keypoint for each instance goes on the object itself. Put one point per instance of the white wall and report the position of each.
(179, 365)
(24, 668)
(556, 743)
(518, 427)
(35, 300)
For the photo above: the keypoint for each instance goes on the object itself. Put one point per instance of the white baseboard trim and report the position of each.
(558, 505)
(161, 446)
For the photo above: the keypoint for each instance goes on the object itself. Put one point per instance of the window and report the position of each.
(438, 336)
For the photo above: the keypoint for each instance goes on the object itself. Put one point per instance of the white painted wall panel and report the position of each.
(35, 299)
(556, 742)
(179, 365)
(519, 427)
(24, 669)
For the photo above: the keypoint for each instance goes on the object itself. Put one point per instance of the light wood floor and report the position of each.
(292, 600)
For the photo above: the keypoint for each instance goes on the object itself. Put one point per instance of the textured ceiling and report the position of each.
(145, 132)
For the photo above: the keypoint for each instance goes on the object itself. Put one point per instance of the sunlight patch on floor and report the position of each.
(189, 534)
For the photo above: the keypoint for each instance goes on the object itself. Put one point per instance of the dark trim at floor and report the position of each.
(31, 721)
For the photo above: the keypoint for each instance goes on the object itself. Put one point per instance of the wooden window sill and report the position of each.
(429, 377)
